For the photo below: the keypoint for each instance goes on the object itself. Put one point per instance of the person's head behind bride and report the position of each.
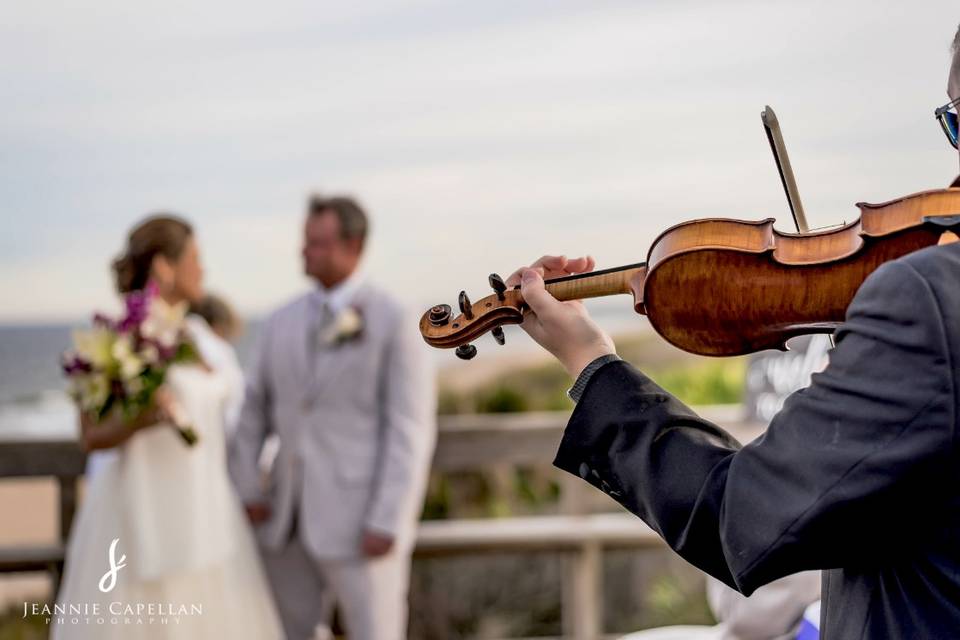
(162, 249)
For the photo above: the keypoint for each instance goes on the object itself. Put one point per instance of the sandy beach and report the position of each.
(30, 506)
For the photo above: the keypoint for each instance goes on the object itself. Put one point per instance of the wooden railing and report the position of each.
(484, 442)
(63, 460)
(465, 443)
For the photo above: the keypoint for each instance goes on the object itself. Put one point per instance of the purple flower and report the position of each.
(166, 353)
(73, 365)
(101, 320)
(138, 306)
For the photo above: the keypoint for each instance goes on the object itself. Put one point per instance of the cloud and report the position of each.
(479, 136)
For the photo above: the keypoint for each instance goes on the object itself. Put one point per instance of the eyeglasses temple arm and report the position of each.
(939, 112)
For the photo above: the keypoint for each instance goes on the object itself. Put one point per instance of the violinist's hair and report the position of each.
(956, 45)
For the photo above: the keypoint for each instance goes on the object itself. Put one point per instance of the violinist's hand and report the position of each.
(565, 329)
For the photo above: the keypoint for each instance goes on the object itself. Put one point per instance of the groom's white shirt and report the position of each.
(339, 296)
(356, 426)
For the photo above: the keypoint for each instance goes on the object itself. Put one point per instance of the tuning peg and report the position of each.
(498, 285)
(466, 351)
(498, 335)
(440, 315)
(465, 307)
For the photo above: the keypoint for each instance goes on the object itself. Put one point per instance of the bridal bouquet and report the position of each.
(118, 365)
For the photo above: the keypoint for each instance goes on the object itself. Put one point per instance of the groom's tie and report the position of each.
(323, 318)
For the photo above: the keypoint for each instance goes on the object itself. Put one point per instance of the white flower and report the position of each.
(128, 362)
(133, 386)
(149, 354)
(91, 390)
(164, 322)
(348, 324)
(94, 346)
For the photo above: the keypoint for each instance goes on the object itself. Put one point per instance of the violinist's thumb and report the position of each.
(535, 293)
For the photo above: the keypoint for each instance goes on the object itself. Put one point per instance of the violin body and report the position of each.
(722, 287)
(725, 287)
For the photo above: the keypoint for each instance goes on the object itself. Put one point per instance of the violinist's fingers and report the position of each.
(580, 265)
(550, 266)
(544, 265)
(554, 267)
(550, 263)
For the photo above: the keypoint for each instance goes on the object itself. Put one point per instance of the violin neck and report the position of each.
(594, 284)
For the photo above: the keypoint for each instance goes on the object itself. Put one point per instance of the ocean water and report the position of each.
(34, 403)
(33, 398)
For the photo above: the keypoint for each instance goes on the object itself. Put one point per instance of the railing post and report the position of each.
(583, 604)
(582, 593)
(68, 508)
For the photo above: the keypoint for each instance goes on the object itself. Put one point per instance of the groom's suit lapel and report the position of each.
(303, 349)
(329, 362)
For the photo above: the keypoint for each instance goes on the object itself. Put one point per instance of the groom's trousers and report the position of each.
(371, 593)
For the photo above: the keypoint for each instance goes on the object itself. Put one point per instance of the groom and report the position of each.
(341, 376)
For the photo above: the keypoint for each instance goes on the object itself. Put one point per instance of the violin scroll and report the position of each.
(504, 306)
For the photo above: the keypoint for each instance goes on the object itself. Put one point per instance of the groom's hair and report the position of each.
(353, 219)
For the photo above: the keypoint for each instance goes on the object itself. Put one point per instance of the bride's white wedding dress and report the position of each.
(186, 561)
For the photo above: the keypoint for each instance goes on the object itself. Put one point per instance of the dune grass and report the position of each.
(542, 386)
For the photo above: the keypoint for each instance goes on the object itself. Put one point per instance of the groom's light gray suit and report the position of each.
(356, 426)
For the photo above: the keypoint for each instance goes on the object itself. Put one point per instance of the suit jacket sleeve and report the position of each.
(851, 472)
(253, 425)
(408, 429)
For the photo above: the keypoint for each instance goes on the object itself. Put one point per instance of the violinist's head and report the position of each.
(953, 81)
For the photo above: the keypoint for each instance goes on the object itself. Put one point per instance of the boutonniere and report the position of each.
(346, 327)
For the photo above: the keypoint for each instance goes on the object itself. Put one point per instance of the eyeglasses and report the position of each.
(948, 121)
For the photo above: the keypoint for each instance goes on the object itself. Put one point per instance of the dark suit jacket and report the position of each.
(857, 475)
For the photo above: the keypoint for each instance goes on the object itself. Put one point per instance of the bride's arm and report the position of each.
(114, 431)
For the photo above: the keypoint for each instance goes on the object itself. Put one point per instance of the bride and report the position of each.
(161, 547)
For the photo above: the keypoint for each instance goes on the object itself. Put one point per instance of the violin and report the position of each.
(723, 287)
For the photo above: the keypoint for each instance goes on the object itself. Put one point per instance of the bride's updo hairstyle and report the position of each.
(164, 235)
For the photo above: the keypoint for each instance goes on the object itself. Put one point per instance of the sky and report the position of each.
(479, 136)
